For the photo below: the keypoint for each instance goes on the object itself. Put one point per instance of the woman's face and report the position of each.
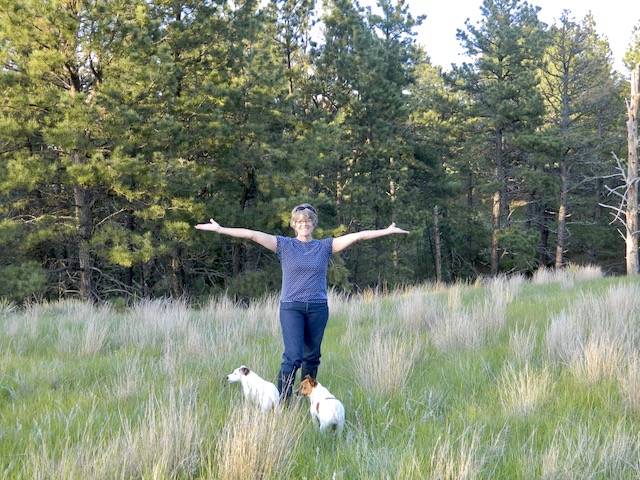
(303, 225)
(304, 219)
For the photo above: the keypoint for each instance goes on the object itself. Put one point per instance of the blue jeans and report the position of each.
(303, 326)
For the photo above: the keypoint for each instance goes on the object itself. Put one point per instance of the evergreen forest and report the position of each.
(123, 123)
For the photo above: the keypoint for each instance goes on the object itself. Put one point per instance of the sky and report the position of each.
(614, 19)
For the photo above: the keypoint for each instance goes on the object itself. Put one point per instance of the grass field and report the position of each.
(503, 379)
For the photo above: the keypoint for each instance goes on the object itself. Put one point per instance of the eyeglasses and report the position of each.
(300, 208)
(304, 222)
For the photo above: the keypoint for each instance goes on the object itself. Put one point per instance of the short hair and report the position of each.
(304, 210)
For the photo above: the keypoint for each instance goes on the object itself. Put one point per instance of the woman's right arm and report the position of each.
(261, 238)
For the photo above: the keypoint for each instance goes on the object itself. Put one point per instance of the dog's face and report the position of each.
(237, 374)
(306, 386)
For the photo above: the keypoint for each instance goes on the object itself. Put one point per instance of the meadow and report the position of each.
(506, 378)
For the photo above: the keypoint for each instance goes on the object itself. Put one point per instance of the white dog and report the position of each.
(256, 388)
(326, 410)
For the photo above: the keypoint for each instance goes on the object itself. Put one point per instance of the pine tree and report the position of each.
(581, 96)
(507, 47)
(365, 67)
(63, 62)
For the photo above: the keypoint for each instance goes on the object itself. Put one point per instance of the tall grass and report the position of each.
(567, 277)
(457, 456)
(587, 453)
(164, 443)
(524, 390)
(256, 445)
(502, 379)
(629, 381)
(522, 343)
(383, 366)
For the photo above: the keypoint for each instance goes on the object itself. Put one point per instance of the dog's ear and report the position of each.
(312, 381)
(244, 370)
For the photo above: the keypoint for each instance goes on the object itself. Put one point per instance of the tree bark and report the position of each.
(469, 209)
(436, 230)
(499, 203)
(394, 197)
(631, 211)
(562, 215)
(82, 200)
(495, 260)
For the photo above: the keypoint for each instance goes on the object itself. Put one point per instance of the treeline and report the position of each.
(125, 122)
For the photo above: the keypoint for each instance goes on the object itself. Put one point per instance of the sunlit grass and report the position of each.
(164, 443)
(598, 360)
(457, 456)
(567, 276)
(256, 444)
(523, 390)
(503, 378)
(522, 343)
(629, 381)
(582, 452)
(383, 365)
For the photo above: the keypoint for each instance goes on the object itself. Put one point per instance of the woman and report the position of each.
(303, 301)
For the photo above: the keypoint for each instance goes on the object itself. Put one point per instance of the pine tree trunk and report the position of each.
(562, 215)
(394, 197)
(82, 199)
(499, 203)
(176, 280)
(436, 230)
(469, 237)
(495, 261)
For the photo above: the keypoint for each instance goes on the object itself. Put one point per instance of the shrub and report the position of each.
(21, 281)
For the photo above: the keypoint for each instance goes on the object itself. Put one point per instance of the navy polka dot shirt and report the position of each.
(304, 269)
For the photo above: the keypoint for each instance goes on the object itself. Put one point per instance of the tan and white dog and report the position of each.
(256, 388)
(326, 410)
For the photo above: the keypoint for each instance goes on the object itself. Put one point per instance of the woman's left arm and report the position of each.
(344, 241)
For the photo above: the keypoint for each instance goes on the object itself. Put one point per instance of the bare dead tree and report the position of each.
(627, 210)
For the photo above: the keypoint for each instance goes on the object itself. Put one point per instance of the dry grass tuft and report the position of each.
(130, 377)
(164, 444)
(522, 391)
(522, 343)
(629, 384)
(167, 442)
(7, 307)
(264, 317)
(454, 295)
(568, 275)
(458, 329)
(587, 454)
(599, 359)
(504, 289)
(361, 316)
(384, 365)
(151, 322)
(84, 328)
(258, 445)
(418, 311)
(459, 458)
(564, 338)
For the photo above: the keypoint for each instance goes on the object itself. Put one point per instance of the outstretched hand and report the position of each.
(212, 226)
(393, 229)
